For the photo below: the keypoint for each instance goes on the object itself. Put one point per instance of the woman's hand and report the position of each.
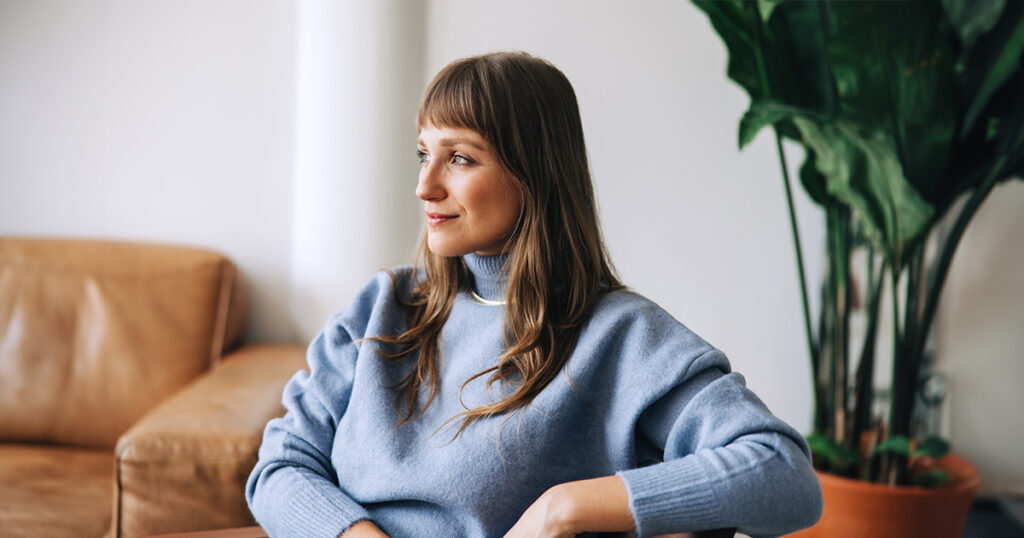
(596, 505)
(364, 529)
(547, 517)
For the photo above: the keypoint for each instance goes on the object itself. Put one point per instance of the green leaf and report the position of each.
(827, 449)
(999, 137)
(933, 479)
(763, 113)
(848, 456)
(794, 43)
(822, 447)
(923, 84)
(863, 172)
(1011, 132)
(905, 215)
(781, 59)
(766, 7)
(932, 447)
(971, 18)
(812, 180)
(842, 166)
(1018, 171)
(896, 444)
(993, 129)
(734, 26)
(894, 70)
(999, 56)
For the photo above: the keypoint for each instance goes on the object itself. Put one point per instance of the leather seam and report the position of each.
(168, 452)
(93, 272)
(195, 458)
(119, 494)
(223, 306)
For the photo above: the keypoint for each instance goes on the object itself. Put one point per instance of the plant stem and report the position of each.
(812, 348)
(762, 71)
(889, 466)
(912, 309)
(940, 269)
(839, 257)
(897, 371)
(832, 95)
(910, 361)
(827, 339)
(847, 246)
(820, 381)
(865, 390)
(830, 343)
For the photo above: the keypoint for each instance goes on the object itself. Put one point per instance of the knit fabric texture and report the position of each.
(642, 397)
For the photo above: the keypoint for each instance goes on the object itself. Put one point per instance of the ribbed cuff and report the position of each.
(305, 507)
(671, 497)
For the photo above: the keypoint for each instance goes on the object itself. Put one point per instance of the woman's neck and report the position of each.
(487, 278)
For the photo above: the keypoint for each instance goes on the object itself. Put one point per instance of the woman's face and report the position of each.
(470, 199)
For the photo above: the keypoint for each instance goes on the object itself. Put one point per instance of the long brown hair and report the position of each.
(557, 266)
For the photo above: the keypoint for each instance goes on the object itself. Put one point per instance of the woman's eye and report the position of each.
(422, 156)
(459, 159)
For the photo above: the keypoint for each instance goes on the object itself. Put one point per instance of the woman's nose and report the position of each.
(430, 187)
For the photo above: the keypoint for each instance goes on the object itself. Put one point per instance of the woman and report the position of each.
(511, 386)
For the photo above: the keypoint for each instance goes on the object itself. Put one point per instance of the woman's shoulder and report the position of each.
(627, 307)
(644, 331)
(624, 300)
(383, 300)
(397, 282)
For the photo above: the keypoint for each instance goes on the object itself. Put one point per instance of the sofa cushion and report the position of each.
(55, 491)
(94, 333)
(193, 452)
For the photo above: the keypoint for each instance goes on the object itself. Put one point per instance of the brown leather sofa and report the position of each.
(126, 406)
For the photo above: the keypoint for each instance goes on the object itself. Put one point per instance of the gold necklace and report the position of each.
(487, 302)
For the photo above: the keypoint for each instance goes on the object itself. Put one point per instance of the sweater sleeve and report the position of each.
(293, 489)
(728, 462)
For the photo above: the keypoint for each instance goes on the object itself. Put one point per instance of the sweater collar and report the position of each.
(486, 275)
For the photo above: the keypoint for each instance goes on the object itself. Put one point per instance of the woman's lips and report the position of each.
(437, 219)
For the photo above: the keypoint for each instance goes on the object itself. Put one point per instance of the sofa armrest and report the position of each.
(184, 464)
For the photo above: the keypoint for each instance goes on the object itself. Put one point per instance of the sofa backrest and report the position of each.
(95, 333)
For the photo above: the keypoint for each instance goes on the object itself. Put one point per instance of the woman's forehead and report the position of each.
(445, 135)
(453, 109)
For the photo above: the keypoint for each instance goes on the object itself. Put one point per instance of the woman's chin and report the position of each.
(443, 249)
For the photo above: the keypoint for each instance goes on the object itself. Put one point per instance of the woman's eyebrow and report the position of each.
(448, 142)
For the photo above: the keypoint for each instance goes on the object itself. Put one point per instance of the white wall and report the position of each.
(159, 120)
(360, 77)
(281, 133)
(981, 340)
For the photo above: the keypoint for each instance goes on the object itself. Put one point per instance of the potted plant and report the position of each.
(909, 114)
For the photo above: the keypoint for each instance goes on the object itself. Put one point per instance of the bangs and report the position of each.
(457, 98)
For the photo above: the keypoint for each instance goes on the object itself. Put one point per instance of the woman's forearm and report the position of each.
(363, 529)
(595, 505)
(565, 510)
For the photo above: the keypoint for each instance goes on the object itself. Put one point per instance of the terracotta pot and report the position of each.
(858, 509)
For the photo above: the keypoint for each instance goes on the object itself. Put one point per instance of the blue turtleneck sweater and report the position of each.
(641, 397)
